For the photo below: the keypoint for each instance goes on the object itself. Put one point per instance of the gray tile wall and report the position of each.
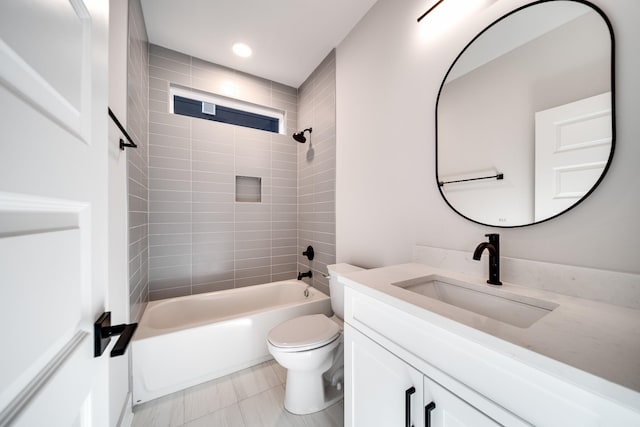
(200, 239)
(137, 168)
(317, 171)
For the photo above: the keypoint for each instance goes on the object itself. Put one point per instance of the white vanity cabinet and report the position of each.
(474, 378)
(384, 390)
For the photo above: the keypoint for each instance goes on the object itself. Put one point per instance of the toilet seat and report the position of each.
(304, 333)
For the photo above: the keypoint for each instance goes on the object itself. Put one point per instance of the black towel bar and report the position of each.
(497, 177)
(123, 144)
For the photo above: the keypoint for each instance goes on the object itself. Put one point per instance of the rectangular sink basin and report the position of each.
(516, 310)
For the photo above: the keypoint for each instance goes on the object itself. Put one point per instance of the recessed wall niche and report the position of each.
(248, 189)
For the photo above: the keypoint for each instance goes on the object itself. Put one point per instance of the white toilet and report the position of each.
(310, 348)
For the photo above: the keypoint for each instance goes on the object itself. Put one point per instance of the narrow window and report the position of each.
(224, 110)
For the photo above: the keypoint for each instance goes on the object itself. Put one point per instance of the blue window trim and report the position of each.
(193, 108)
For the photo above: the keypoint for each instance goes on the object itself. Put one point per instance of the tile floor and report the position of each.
(250, 398)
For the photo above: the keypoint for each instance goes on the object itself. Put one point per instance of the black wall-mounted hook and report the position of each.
(309, 253)
(103, 331)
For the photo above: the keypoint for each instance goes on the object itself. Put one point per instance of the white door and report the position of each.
(53, 211)
(378, 385)
(573, 142)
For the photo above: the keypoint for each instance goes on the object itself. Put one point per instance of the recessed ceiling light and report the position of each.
(242, 50)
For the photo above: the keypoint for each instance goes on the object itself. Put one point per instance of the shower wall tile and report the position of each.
(200, 238)
(316, 165)
(137, 164)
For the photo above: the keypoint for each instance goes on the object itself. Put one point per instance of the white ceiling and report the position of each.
(289, 38)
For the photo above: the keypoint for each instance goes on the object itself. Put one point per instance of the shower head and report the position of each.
(299, 136)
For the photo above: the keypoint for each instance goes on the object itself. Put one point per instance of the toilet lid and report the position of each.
(314, 330)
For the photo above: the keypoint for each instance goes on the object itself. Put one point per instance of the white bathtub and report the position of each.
(181, 342)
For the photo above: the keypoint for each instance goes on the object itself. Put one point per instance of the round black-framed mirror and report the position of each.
(525, 115)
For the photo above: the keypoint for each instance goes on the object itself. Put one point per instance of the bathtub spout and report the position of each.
(308, 274)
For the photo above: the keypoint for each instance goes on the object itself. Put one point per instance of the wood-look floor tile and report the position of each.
(254, 380)
(167, 411)
(209, 397)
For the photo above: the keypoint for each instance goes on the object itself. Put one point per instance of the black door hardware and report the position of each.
(103, 331)
(427, 413)
(407, 406)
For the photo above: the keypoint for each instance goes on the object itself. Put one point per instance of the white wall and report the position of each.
(389, 70)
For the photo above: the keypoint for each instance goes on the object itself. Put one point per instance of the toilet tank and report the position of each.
(336, 271)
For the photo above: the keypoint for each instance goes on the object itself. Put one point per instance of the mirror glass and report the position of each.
(524, 117)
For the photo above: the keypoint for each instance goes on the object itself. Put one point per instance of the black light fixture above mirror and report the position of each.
(430, 9)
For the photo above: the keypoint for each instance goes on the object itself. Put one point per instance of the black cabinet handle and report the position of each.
(427, 413)
(407, 406)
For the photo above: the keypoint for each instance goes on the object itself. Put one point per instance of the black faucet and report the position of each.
(308, 274)
(493, 246)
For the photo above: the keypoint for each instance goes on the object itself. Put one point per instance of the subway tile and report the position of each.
(169, 283)
(159, 294)
(168, 250)
(171, 76)
(218, 207)
(223, 236)
(250, 281)
(159, 105)
(283, 268)
(169, 207)
(252, 244)
(223, 257)
(169, 119)
(212, 247)
(159, 96)
(252, 253)
(169, 130)
(202, 176)
(291, 275)
(252, 263)
(169, 261)
(212, 227)
(169, 185)
(208, 130)
(252, 235)
(170, 228)
(213, 277)
(199, 288)
(213, 187)
(168, 141)
(212, 217)
(182, 67)
(169, 196)
(169, 54)
(158, 84)
(169, 218)
(276, 243)
(213, 264)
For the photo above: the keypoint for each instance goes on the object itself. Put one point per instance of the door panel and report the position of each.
(573, 143)
(53, 210)
(378, 384)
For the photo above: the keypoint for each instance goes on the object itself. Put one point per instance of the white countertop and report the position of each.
(602, 341)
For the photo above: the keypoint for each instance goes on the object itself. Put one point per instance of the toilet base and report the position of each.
(319, 393)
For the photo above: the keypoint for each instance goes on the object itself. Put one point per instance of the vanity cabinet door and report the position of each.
(448, 410)
(379, 386)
